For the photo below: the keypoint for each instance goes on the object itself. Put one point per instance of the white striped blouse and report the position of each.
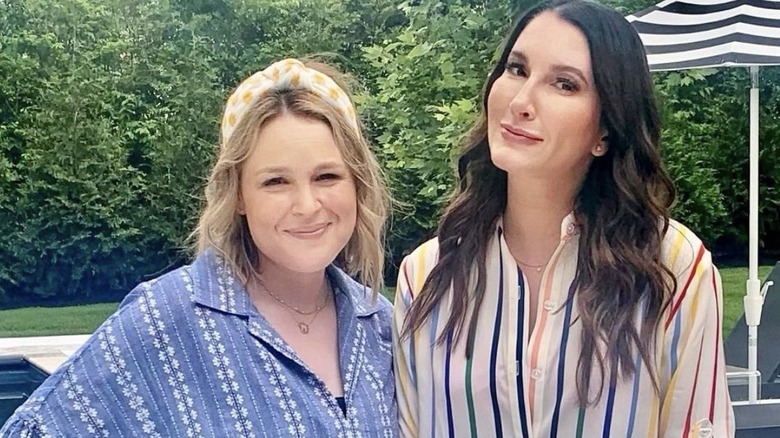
(523, 384)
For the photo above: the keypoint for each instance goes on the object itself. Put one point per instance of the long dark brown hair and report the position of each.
(622, 209)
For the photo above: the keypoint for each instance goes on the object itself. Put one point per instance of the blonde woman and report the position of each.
(262, 335)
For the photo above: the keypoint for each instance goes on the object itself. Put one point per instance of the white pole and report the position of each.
(753, 299)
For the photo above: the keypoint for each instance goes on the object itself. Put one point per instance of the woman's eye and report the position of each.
(328, 177)
(273, 182)
(515, 68)
(566, 84)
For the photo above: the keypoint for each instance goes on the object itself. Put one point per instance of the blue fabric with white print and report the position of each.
(188, 355)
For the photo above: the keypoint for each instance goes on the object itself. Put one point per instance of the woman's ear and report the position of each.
(601, 147)
(240, 204)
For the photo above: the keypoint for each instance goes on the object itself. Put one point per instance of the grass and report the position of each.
(733, 290)
(45, 321)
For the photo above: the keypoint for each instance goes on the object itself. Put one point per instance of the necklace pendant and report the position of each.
(303, 327)
(539, 268)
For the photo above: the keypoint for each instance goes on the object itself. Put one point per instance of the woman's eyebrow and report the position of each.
(518, 56)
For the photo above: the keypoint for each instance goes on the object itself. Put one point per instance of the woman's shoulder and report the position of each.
(682, 249)
(171, 293)
(362, 297)
(426, 250)
(158, 304)
(421, 261)
(414, 270)
(697, 282)
(374, 311)
(104, 364)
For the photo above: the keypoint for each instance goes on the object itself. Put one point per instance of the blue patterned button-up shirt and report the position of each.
(188, 355)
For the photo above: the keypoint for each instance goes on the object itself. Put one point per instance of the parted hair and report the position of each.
(225, 231)
(622, 209)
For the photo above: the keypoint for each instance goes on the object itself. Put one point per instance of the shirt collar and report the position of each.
(218, 288)
(359, 297)
(569, 226)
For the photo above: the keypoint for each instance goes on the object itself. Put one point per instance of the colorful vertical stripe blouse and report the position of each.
(522, 382)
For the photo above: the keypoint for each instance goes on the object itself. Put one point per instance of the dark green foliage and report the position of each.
(707, 151)
(427, 82)
(109, 114)
(108, 123)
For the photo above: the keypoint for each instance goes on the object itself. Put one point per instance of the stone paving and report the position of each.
(45, 352)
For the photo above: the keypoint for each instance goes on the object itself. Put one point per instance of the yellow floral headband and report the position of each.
(283, 75)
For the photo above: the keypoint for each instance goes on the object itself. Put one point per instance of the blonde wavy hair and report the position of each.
(222, 229)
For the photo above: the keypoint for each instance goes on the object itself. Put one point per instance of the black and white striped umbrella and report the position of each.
(710, 33)
(689, 34)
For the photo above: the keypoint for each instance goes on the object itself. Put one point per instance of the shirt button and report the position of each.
(705, 428)
(548, 305)
(536, 374)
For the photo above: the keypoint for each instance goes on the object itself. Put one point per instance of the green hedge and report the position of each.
(109, 116)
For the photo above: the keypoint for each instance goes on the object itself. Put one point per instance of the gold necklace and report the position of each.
(303, 327)
(296, 309)
(538, 268)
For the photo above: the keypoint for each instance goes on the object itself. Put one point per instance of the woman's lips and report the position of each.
(516, 134)
(309, 231)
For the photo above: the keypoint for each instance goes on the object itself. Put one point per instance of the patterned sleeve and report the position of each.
(406, 390)
(79, 398)
(696, 401)
(18, 427)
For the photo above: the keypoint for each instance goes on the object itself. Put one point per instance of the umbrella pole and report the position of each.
(753, 299)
